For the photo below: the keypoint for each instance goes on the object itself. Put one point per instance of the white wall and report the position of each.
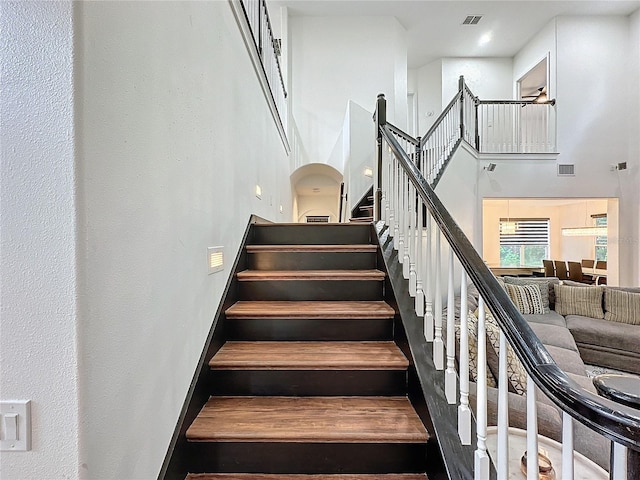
(429, 95)
(361, 154)
(337, 59)
(488, 78)
(176, 133)
(38, 359)
(541, 46)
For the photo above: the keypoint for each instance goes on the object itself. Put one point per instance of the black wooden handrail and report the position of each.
(613, 420)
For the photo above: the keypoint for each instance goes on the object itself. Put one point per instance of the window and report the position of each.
(601, 242)
(524, 242)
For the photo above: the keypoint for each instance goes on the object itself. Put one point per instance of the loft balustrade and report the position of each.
(440, 263)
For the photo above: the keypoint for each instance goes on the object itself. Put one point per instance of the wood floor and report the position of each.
(303, 309)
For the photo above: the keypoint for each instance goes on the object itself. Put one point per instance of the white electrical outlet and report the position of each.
(15, 425)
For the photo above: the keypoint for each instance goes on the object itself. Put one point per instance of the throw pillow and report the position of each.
(516, 374)
(546, 288)
(585, 301)
(472, 328)
(526, 298)
(621, 306)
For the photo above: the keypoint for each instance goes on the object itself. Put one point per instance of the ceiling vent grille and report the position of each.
(566, 169)
(472, 20)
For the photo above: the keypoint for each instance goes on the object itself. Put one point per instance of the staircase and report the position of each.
(309, 383)
(363, 211)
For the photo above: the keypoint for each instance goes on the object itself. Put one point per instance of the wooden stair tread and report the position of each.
(312, 248)
(309, 356)
(245, 309)
(308, 419)
(361, 219)
(281, 476)
(264, 275)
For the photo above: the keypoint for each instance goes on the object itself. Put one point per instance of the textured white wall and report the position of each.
(337, 59)
(488, 78)
(429, 95)
(38, 256)
(176, 133)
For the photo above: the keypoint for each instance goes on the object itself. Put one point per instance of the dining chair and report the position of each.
(549, 271)
(576, 274)
(601, 265)
(587, 263)
(561, 269)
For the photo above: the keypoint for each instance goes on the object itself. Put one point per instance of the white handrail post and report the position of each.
(481, 460)
(464, 412)
(450, 377)
(412, 240)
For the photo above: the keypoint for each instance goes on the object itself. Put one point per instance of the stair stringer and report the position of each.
(176, 461)
(426, 384)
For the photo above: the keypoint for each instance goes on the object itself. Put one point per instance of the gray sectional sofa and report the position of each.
(572, 340)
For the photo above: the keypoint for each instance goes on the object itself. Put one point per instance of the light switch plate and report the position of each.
(15, 425)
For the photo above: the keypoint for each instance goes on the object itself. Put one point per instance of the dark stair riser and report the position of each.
(312, 260)
(313, 290)
(307, 458)
(309, 329)
(308, 382)
(301, 234)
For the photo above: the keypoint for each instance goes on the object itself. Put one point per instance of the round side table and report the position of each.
(624, 389)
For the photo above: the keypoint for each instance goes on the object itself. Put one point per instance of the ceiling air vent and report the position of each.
(566, 169)
(472, 20)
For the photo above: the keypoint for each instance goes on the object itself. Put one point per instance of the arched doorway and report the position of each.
(316, 193)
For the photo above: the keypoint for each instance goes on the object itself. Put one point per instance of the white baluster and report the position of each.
(464, 412)
(481, 461)
(401, 214)
(619, 462)
(532, 431)
(406, 216)
(391, 196)
(429, 275)
(412, 240)
(503, 412)
(397, 207)
(450, 377)
(438, 346)
(567, 446)
(419, 265)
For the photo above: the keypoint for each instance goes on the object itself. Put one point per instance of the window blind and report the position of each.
(524, 231)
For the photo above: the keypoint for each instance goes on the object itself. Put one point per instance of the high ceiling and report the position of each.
(435, 29)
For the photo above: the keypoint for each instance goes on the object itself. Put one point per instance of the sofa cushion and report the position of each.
(600, 332)
(585, 301)
(568, 360)
(554, 335)
(472, 329)
(516, 374)
(621, 306)
(551, 318)
(526, 298)
(548, 294)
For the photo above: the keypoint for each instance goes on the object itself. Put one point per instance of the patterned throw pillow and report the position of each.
(526, 298)
(585, 301)
(516, 374)
(621, 306)
(472, 328)
(546, 288)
